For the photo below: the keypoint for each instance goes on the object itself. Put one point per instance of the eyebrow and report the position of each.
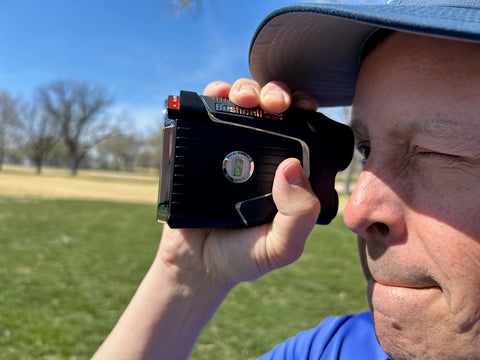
(431, 126)
(358, 127)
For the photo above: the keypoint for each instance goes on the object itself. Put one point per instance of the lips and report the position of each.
(388, 272)
(396, 287)
(417, 282)
(400, 292)
(401, 299)
(389, 278)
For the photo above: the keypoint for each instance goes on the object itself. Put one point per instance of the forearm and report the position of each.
(165, 317)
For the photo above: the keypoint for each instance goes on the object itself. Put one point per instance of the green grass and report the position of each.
(69, 268)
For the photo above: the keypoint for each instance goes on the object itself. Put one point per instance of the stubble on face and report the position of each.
(418, 309)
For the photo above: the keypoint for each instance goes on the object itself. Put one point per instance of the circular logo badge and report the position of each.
(238, 166)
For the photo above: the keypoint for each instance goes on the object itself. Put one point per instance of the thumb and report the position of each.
(298, 210)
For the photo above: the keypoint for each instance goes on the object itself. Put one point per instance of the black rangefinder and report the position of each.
(219, 160)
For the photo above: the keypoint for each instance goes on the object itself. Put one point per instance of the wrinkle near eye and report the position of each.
(359, 128)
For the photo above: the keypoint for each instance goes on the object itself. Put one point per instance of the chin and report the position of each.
(420, 339)
(403, 324)
(393, 341)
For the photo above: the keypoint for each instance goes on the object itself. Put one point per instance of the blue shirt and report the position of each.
(349, 337)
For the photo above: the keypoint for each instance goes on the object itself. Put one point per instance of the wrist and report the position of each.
(188, 282)
(185, 302)
(166, 315)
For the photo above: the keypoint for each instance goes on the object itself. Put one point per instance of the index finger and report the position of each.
(218, 89)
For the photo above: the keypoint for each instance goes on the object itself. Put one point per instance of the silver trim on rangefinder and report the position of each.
(305, 149)
(168, 129)
(192, 190)
(238, 206)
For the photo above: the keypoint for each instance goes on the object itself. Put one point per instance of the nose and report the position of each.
(375, 210)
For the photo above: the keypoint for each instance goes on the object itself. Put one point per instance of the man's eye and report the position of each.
(429, 153)
(364, 151)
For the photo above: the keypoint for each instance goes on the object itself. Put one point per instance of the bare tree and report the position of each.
(371, 2)
(182, 3)
(9, 107)
(179, 7)
(123, 148)
(40, 134)
(78, 108)
(151, 152)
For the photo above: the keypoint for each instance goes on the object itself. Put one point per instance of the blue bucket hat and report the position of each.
(319, 47)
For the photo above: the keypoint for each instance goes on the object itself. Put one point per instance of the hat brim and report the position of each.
(317, 47)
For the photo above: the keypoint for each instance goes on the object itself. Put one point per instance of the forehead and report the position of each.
(408, 76)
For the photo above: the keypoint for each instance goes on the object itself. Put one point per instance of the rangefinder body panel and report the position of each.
(219, 160)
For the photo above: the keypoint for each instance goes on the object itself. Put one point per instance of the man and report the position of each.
(414, 208)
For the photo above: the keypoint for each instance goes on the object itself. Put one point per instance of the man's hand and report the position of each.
(195, 268)
(229, 256)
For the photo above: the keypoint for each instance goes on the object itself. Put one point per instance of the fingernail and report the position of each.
(277, 94)
(247, 89)
(294, 175)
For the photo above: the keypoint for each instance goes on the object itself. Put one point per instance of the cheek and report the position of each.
(449, 321)
(450, 198)
(446, 215)
(454, 259)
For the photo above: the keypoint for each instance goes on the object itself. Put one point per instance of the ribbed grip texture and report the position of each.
(200, 191)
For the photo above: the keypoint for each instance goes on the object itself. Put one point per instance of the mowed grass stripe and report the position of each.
(22, 182)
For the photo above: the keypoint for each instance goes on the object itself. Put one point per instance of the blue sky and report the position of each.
(141, 51)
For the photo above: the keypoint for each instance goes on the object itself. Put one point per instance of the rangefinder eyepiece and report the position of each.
(219, 160)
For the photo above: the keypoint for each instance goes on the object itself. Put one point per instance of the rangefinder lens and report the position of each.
(238, 167)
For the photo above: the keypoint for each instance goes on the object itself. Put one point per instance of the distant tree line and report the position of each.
(67, 124)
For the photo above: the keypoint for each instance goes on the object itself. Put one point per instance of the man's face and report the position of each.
(416, 206)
